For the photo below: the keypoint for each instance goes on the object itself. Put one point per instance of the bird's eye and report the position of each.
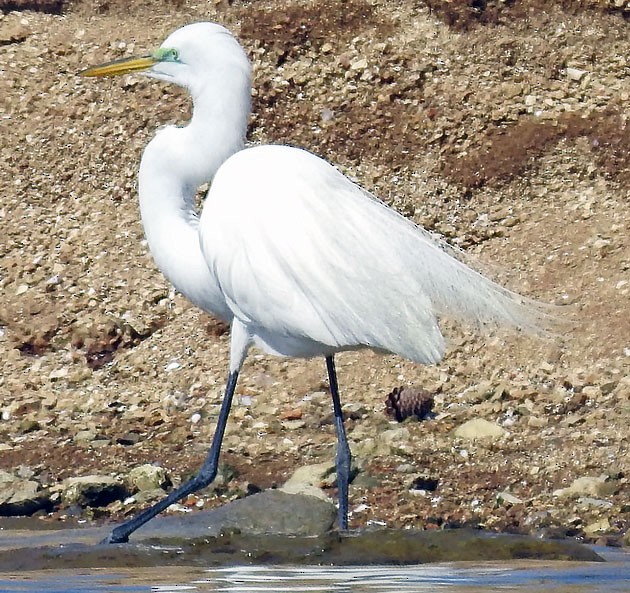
(166, 54)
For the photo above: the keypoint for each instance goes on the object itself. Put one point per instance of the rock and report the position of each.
(479, 428)
(587, 501)
(142, 498)
(508, 498)
(575, 74)
(365, 448)
(309, 480)
(148, 477)
(197, 536)
(20, 496)
(13, 30)
(589, 486)
(92, 491)
(395, 436)
(537, 422)
(270, 512)
(360, 64)
(600, 526)
(293, 424)
(129, 438)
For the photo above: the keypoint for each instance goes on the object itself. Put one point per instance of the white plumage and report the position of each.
(311, 264)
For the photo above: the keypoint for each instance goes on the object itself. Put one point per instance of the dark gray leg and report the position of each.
(205, 476)
(344, 458)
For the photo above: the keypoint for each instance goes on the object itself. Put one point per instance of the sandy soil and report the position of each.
(503, 127)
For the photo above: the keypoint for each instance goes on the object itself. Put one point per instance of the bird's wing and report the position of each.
(304, 256)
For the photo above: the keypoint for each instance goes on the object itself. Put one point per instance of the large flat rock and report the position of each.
(268, 528)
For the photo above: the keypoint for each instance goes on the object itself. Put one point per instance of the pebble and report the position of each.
(596, 486)
(309, 480)
(148, 477)
(479, 428)
(93, 490)
(594, 502)
(508, 498)
(575, 74)
(360, 64)
(601, 526)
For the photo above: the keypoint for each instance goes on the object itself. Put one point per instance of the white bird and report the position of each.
(297, 258)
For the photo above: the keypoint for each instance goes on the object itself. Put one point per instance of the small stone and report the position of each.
(596, 486)
(92, 491)
(575, 74)
(479, 428)
(291, 414)
(309, 480)
(508, 498)
(148, 477)
(600, 526)
(58, 373)
(129, 438)
(360, 64)
(293, 424)
(396, 436)
(21, 497)
(587, 501)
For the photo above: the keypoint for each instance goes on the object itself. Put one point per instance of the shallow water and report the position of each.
(179, 556)
(522, 577)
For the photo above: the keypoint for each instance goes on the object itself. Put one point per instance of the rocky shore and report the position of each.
(504, 128)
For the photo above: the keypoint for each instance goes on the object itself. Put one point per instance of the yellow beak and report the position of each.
(118, 67)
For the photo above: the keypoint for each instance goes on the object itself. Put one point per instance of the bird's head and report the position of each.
(189, 57)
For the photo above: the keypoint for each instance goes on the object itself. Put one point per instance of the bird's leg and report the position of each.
(204, 477)
(344, 458)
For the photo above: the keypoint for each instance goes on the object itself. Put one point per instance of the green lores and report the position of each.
(166, 54)
(126, 65)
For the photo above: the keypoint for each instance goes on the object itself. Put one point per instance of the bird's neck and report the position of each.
(175, 163)
(217, 129)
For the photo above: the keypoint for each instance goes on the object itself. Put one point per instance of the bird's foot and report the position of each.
(112, 538)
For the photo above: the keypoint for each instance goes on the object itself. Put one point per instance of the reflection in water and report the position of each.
(526, 577)
(337, 579)
(592, 577)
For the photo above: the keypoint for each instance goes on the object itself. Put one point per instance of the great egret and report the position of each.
(297, 258)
